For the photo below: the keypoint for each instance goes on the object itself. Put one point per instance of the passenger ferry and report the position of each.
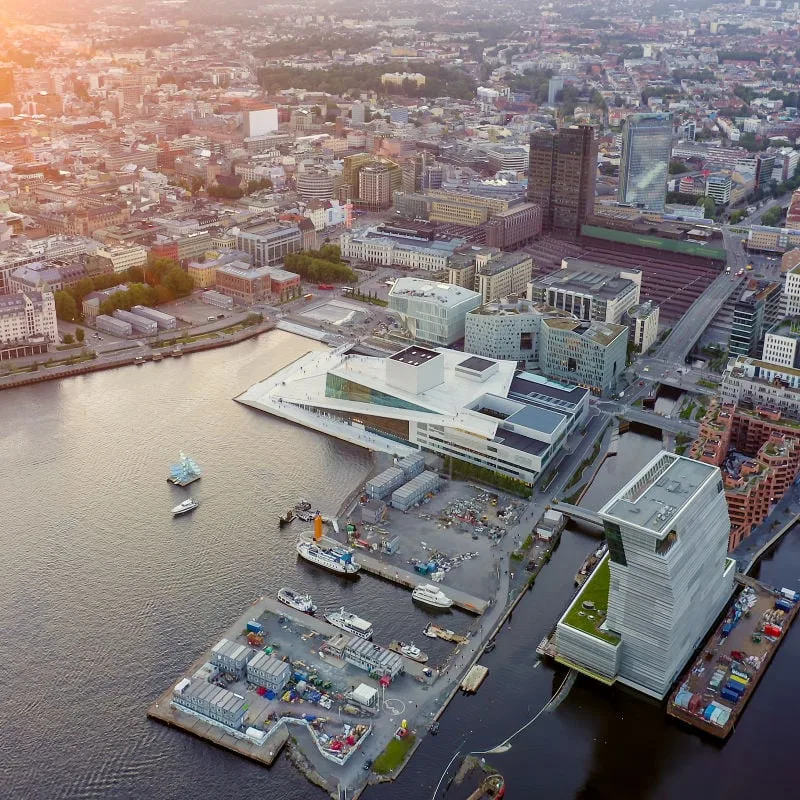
(429, 595)
(297, 601)
(335, 559)
(350, 623)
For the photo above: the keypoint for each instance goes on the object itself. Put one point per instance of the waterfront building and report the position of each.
(112, 325)
(644, 165)
(757, 308)
(663, 582)
(562, 177)
(269, 246)
(759, 455)
(164, 321)
(591, 354)
(399, 246)
(588, 290)
(28, 315)
(474, 409)
(432, 312)
(642, 322)
(504, 330)
(365, 655)
(214, 702)
(140, 324)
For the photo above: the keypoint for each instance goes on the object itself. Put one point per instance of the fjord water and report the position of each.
(105, 599)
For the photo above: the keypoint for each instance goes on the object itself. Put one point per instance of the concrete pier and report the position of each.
(402, 577)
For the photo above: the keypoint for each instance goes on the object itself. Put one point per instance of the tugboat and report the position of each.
(286, 519)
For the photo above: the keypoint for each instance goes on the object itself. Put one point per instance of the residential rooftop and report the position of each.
(602, 333)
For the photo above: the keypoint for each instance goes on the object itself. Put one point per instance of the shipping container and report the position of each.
(783, 604)
(737, 679)
(772, 630)
(731, 697)
(255, 627)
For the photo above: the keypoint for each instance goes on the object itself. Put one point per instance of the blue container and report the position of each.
(270, 695)
(731, 697)
(255, 627)
(734, 687)
(727, 628)
(783, 604)
(708, 712)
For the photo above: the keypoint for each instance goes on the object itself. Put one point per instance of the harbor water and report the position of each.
(105, 599)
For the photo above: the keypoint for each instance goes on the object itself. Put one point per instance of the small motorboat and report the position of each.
(286, 519)
(490, 645)
(183, 508)
(434, 728)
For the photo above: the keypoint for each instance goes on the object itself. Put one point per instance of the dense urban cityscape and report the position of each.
(510, 293)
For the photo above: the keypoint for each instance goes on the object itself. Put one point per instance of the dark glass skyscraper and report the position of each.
(562, 177)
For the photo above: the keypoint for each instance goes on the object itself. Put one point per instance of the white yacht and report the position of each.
(410, 650)
(336, 559)
(350, 623)
(297, 601)
(189, 504)
(429, 595)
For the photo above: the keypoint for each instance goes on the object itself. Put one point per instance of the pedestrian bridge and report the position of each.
(580, 514)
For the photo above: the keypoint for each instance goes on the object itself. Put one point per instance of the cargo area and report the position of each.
(713, 692)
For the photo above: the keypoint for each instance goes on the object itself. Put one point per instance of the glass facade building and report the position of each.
(644, 166)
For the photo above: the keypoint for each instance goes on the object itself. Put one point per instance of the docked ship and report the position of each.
(429, 595)
(335, 559)
(297, 601)
(409, 650)
(184, 472)
(183, 508)
(350, 623)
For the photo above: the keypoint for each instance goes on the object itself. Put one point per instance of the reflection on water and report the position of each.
(633, 452)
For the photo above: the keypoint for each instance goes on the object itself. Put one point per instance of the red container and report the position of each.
(772, 630)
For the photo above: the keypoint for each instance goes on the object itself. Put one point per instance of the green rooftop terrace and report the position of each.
(595, 590)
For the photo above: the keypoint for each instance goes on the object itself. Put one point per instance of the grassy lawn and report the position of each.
(686, 412)
(394, 755)
(594, 590)
(707, 384)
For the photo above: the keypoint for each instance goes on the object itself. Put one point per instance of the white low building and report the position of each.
(27, 314)
(477, 410)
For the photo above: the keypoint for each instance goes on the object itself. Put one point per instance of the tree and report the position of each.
(737, 216)
(677, 167)
(66, 307)
(68, 338)
(80, 334)
(772, 216)
(709, 207)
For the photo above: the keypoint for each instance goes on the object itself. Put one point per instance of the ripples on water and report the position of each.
(105, 600)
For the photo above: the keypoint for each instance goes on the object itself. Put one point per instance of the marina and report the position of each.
(713, 692)
(411, 580)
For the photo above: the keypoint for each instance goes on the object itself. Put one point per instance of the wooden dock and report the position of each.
(475, 677)
(402, 577)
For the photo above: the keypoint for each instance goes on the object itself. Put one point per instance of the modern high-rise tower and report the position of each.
(654, 596)
(644, 166)
(561, 178)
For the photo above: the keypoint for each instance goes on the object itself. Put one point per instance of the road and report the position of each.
(634, 414)
(691, 325)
